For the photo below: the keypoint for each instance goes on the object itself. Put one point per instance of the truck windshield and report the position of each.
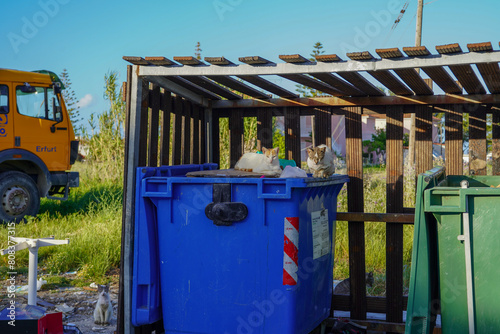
(39, 102)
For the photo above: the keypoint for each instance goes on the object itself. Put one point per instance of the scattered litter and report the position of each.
(93, 285)
(64, 308)
(97, 328)
(71, 272)
(43, 303)
(79, 293)
(71, 329)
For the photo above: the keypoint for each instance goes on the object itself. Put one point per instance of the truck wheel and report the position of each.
(19, 196)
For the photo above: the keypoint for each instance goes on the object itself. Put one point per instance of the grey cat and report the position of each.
(344, 287)
(103, 308)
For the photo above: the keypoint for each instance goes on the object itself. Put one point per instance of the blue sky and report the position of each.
(89, 38)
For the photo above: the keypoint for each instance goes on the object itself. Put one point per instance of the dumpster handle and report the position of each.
(468, 260)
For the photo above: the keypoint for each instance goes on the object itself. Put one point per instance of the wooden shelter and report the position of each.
(195, 94)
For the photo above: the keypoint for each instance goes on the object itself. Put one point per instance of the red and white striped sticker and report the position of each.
(291, 251)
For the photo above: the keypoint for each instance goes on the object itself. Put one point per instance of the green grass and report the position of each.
(90, 219)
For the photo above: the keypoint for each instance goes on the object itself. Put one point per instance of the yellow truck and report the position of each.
(37, 143)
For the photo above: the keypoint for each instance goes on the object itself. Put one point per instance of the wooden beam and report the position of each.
(187, 148)
(398, 218)
(361, 101)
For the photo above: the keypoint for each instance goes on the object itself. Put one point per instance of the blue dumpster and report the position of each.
(233, 255)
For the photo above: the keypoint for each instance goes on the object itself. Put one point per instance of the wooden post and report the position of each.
(154, 121)
(495, 141)
(236, 133)
(477, 141)
(166, 107)
(186, 135)
(454, 140)
(323, 127)
(355, 203)
(264, 128)
(143, 136)
(196, 142)
(177, 131)
(292, 134)
(423, 145)
(394, 237)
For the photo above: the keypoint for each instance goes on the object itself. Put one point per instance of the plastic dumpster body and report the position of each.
(455, 251)
(237, 255)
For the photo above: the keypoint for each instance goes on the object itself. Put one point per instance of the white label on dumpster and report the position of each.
(321, 234)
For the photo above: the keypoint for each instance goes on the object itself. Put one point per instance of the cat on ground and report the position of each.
(344, 287)
(103, 308)
(266, 163)
(320, 161)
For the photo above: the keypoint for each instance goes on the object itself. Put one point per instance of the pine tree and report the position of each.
(197, 51)
(307, 91)
(71, 101)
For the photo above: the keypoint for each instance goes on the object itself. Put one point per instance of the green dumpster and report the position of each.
(456, 254)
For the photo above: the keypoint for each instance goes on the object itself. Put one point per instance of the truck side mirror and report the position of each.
(27, 88)
(57, 88)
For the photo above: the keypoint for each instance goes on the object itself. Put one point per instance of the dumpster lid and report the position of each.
(228, 173)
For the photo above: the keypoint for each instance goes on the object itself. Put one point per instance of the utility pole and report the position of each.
(418, 42)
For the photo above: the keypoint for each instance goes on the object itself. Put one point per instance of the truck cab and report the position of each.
(37, 143)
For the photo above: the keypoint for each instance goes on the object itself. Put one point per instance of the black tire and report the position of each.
(19, 197)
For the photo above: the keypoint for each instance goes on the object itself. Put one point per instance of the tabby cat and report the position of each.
(320, 161)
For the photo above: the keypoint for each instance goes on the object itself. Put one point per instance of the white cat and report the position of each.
(266, 163)
(103, 308)
(320, 161)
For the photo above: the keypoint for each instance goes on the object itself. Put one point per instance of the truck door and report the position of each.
(41, 127)
(6, 120)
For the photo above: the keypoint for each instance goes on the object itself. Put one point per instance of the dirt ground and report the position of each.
(76, 303)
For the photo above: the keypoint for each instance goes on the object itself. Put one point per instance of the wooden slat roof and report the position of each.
(477, 71)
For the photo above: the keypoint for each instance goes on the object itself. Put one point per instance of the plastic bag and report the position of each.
(293, 172)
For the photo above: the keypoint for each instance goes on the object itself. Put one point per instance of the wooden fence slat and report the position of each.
(236, 133)
(264, 128)
(423, 139)
(323, 127)
(166, 108)
(355, 203)
(186, 134)
(292, 134)
(477, 141)
(177, 131)
(454, 140)
(154, 121)
(394, 204)
(143, 137)
(495, 145)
